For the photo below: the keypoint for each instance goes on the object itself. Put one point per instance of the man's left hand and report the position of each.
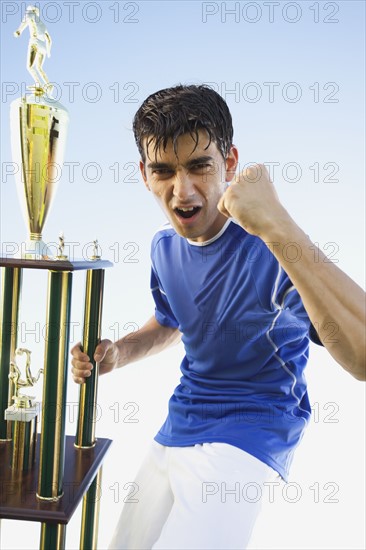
(252, 200)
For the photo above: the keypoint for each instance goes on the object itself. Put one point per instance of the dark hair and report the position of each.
(172, 112)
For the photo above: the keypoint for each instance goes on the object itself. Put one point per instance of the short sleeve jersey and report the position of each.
(246, 339)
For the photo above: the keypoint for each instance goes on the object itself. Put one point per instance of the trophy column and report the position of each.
(11, 287)
(52, 536)
(85, 434)
(52, 453)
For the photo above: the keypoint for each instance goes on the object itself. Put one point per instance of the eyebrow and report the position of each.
(199, 160)
(190, 164)
(158, 165)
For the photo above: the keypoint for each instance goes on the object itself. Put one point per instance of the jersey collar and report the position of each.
(214, 238)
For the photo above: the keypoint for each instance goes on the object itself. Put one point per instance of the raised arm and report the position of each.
(330, 297)
(21, 28)
(148, 340)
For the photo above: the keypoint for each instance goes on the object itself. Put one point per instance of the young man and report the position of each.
(224, 282)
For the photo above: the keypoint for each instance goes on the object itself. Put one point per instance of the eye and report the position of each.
(162, 171)
(203, 166)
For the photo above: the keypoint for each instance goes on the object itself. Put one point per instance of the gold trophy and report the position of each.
(24, 415)
(38, 135)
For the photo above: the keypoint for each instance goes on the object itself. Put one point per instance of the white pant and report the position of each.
(197, 497)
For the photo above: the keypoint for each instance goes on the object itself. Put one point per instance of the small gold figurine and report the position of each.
(39, 46)
(60, 248)
(23, 401)
(95, 256)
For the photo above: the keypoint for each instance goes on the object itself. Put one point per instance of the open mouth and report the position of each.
(187, 213)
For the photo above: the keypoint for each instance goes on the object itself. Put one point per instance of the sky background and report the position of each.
(292, 74)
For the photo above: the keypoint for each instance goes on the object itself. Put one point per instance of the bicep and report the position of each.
(162, 333)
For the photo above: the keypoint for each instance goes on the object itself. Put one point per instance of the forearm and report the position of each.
(21, 27)
(150, 339)
(335, 304)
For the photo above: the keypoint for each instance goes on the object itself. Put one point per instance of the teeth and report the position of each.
(186, 209)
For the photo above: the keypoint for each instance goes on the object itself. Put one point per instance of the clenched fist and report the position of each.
(252, 200)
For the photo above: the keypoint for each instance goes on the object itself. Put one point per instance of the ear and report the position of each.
(231, 163)
(143, 174)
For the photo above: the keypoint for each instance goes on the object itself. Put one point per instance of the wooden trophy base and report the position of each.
(18, 498)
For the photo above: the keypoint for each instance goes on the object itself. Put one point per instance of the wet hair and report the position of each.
(170, 113)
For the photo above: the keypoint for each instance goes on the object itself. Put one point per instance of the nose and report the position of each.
(183, 189)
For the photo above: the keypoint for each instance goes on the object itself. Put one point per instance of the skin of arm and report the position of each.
(330, 297)
(148, 340)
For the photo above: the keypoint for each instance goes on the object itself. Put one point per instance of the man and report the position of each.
(223, 280)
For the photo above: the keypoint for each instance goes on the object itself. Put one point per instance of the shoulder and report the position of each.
(164, 235)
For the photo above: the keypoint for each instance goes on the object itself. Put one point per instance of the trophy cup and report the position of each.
(51, 476)
(38, 136)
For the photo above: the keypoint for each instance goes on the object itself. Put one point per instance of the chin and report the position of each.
(186, 233)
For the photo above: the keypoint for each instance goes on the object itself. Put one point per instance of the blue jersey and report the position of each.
(246, 337)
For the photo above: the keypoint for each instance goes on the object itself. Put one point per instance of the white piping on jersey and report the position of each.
(279, 359)
(286, 294)
(158, 288)
(213, 239)
(275, 290)
(285, 367)
(166, 225)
